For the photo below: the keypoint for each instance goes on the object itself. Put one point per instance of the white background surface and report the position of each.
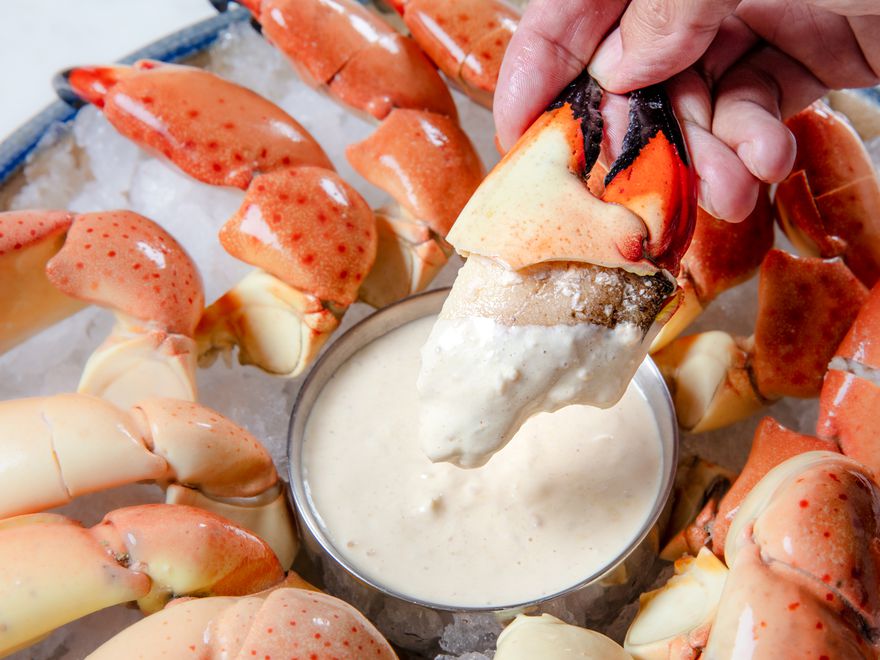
(40, 37)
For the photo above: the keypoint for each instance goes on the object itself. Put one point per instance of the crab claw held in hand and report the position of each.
(116, 259)
(561, 261)
(54, 571)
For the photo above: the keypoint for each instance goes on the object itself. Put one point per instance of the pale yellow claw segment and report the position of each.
(545, 636)
(710, 384)
(532, 208)
(679, 614)
(407, 260)
(68, 574)
(166, 634)
(206, 449)
(276, 327)
(57, 448)
(689, 308)
(32, 303)
(269, 518)
(53, 449)
(135, 363)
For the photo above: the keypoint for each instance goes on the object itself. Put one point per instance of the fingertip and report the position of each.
(727, 190)
(730, 198)
(606, 61)
(509, 107)
(770, 157)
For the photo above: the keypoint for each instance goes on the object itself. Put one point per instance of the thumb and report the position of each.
(657, 39)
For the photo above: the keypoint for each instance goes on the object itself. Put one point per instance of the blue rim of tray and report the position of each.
(173, 48)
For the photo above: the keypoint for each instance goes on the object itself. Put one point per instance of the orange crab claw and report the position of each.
(307, 227)
(765, 606)
(653, 177)
(466, 39)
(720, 256)
(830, 205)
(54, 571)
(425, 161)
(804, 557)
(794, 342)
(214, 130)
(537, 205)
(809, 525)
(772, 445)
(122, 260)
(351, 52)
(723, 254)
(28, 240)
(850, 394)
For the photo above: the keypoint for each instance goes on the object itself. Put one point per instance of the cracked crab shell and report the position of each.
(363, 61)
(28, 239)
(830, 204)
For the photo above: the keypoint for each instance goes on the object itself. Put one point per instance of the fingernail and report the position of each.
(606, 59)
(705, 200)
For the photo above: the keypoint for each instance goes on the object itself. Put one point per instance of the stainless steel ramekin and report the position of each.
(415, 624)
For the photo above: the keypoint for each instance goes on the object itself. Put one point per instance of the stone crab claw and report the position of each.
(829, 205)
(214, 130)
(290, 618)
(717, 379)
(54, 571)
(850, 394)
(560, 259)
(466, 39)
(804, 557)
(314, 239)
(60, 261)
(353, 55)
(427, 164)
(545, 636)
(57, 448)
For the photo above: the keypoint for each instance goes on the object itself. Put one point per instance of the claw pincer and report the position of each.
(640, 218)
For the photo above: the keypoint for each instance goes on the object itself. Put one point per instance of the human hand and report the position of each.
(736, 68)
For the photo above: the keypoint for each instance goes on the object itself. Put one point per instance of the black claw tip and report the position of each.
(584, 95)
(220, 5)
(61, 85)
(650, 112)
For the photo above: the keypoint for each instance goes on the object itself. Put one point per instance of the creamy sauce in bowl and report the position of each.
(565, 498)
